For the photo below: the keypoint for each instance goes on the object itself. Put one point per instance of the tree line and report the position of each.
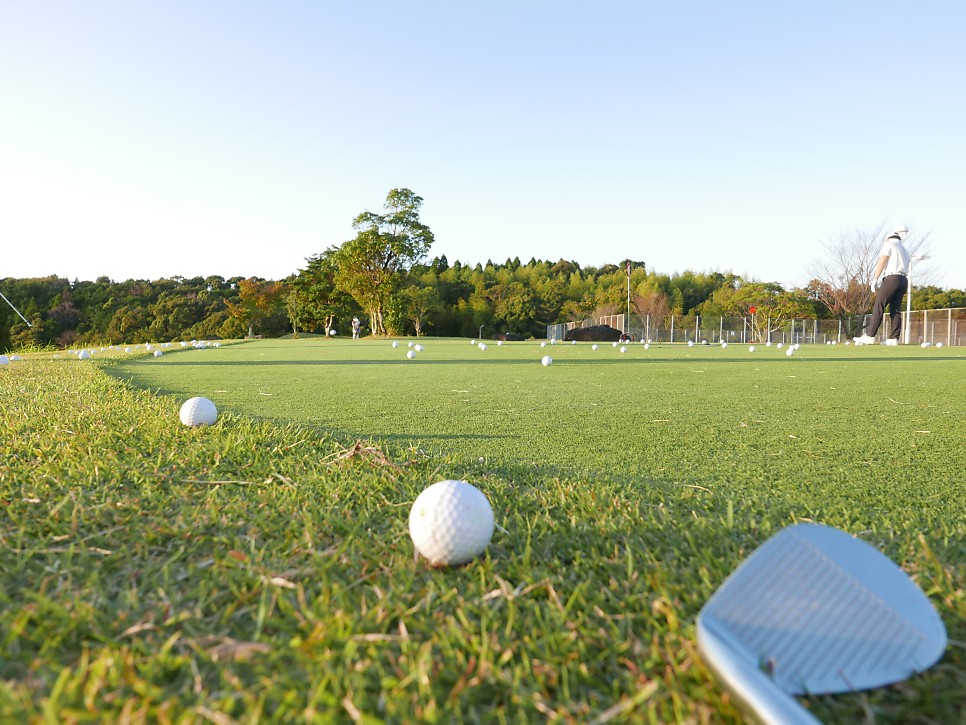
(384, 277)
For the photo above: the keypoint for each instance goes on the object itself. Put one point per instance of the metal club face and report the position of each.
(816, 611)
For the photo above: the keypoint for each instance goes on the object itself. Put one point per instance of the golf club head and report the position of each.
(815, 611)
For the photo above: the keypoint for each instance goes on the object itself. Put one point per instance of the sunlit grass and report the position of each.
(261, 569)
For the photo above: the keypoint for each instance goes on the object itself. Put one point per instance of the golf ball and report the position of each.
(647, 346)
(790, 351)
(158, 353)
(724, 345)
(546, 360)
(198, 411)
(411, 354)
(623, 348)
(395, 343)
(418, 348)
(450, 523)
(593, 347)
(938, 344)
(482, 346)
(83, 355)
(4, 360)
(751, 348)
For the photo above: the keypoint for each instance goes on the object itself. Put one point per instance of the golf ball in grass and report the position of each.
(83, 355)
(198, 411)
(593, 347)
(724, 345)
(395, 343)
(158, 353)
(790, 351)
(751, 348)
(418, 348)
(546, 360)
(482, 346)
(451, 523)
(4, 360)
(623, 348)
(411, 354)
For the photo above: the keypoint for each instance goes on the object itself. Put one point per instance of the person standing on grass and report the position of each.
(889, 284)
(356, 325)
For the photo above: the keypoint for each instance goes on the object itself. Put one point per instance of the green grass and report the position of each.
(261, 570)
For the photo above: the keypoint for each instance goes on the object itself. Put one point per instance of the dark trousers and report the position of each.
(890, 292)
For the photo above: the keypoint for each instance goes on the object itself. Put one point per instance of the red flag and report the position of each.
(753, 309)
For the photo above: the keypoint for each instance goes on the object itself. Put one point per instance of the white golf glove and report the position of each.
(872, 287)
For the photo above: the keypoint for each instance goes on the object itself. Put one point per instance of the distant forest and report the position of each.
(438, 298)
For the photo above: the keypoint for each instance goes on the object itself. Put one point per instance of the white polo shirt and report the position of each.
(898, 256)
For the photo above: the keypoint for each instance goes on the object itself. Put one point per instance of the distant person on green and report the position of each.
(889, 283)
(356, 325)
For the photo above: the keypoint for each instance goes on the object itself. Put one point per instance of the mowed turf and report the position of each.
(260, 570)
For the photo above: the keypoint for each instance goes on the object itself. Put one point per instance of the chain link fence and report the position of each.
(947, 326)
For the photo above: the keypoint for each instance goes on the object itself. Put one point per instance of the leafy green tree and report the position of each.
(371, 266)
(419, 304)
(314, 300)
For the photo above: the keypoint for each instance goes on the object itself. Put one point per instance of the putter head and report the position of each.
(815, 611)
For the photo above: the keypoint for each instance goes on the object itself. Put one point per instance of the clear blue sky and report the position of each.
(232, 137)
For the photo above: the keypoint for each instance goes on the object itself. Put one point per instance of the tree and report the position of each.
(371, 266)
(773, 306)
(257, 301)
(314, 300)
(418, 303)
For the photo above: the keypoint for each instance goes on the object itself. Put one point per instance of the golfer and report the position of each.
(891, 269)
(356, 325)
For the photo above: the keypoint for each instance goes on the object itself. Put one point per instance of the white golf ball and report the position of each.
(724, 345)
(768, 344)
(158, 353)
(482, 346)
(198, 411)
(790, 351)
(395, 343)
(4, 360)
(543, 344)
(779, 346)
(409, 344)
(472, 342)
(411, 354)
(450, 523)
(546, 360)
(925, 344)
(593, 347)
(573, 342)
(623, 348)
(499, 343)
(647, 346)
(690, 343)
(614, 344)
(751, 348)
(938, 344)
(418, 348)
(83, 355)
